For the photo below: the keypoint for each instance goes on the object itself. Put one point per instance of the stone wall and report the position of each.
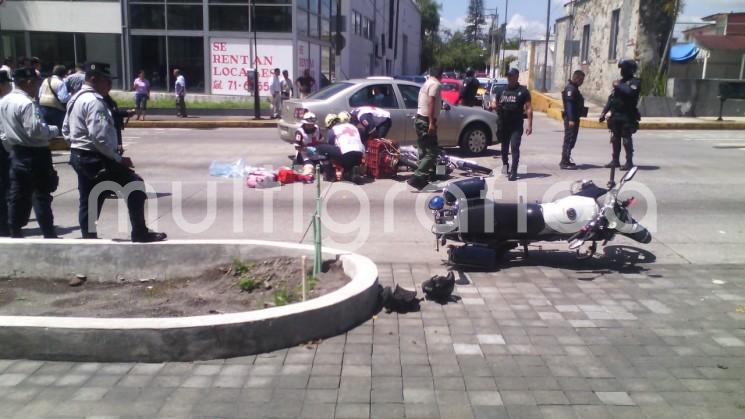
(700, 98)
(600, 69)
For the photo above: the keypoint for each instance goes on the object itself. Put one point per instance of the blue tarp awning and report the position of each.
(683, 53)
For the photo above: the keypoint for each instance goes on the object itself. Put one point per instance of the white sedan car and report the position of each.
(470, 128)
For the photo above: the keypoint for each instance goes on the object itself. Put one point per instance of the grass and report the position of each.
(240, 267)
(129, 103)
(283, 297)
(248, 283)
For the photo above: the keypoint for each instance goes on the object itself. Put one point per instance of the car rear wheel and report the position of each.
(475, 139)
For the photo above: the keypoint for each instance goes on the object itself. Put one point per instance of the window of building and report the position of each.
(228, 17)
(585, 55)
(147, 16)
(187, 54)
(149, 55)
(302, 23)
(357, 23)
(14, 43)
(185, 17)
(53, 48)
(614, 26)
(379, 95)
(273, 18)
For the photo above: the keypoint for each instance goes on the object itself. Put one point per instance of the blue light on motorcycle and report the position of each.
(437, 203)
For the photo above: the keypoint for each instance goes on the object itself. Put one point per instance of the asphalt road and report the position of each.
(690, 185)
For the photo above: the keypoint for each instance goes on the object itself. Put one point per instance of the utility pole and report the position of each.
(545, 55)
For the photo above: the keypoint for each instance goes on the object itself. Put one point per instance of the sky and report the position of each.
(530, 15)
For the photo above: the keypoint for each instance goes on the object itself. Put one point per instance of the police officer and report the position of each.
(574, 104)
(513, 105)
(625, 117)
(469, 90)
(89, 127)
(5, 88)
(429, 104)
(32, 176)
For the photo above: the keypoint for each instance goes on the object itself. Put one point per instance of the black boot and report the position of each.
(417, 182)
(616, 145)
(628, 148)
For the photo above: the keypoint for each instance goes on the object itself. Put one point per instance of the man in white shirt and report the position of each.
(275, 89)
(180, 89)
(53, 97)
(429, 105)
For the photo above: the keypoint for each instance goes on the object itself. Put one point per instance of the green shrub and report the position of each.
(240, 267)
(283, 297)
(248, 283)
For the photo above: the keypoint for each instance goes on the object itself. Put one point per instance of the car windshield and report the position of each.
(330, 91)
(449, 87)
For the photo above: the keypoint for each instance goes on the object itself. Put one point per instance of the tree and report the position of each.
(475, 21)
(431, 42)
(459, 54)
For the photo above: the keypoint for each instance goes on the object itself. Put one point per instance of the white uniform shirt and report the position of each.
(432, 88)
(275, 87)
(372, 110)
(89, 125)
(21, 122)
(347, 138)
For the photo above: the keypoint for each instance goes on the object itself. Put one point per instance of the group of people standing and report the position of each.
(91, 123)
(282, 88)
(515, 119)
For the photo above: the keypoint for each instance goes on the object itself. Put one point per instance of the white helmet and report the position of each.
(309, 118)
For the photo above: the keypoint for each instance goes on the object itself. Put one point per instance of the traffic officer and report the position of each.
(513, 105)
(429, 104)
(90, 129)
(574, 104)
(469, 90)
(32, 176)
(625, 117)
(5, 88)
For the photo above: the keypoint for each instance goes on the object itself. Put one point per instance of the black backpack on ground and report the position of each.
(439, 288)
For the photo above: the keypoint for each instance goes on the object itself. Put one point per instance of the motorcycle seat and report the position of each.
(592, 191)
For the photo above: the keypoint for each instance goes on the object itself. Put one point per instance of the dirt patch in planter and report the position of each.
(240, 286)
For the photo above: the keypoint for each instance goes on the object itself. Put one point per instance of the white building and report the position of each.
(212, 41)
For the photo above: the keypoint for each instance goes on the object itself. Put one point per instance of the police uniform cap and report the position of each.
(98, 69)
(25, 73)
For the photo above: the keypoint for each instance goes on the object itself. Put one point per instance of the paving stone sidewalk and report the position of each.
(526, 342)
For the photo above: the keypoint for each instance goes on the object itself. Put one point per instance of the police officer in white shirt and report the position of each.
(25, 134)
(5, 88)
(90, 130)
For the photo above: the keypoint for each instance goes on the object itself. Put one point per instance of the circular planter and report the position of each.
(173, 338)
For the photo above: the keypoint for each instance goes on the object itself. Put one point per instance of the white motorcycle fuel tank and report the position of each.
(568, 215)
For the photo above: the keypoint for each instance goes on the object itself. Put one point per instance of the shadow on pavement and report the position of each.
(617, 258)
(532, 176)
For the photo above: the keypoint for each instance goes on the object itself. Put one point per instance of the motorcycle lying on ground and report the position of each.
(445, 165)
(490, 229)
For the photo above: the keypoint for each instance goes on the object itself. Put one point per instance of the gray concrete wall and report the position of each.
(700, 98)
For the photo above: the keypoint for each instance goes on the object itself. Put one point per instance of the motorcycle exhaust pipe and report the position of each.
(642, 236)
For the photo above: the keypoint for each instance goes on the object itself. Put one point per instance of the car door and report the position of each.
(382, 95)
(410, 98)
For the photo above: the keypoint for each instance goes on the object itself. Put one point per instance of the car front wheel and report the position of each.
(475, 139)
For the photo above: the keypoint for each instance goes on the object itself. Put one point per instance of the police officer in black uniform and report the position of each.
(574, 104)
(469, 89)
(513, 106)
(625, 117)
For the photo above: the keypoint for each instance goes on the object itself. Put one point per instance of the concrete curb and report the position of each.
(183, 338)
(553, 108)
(186, 123)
